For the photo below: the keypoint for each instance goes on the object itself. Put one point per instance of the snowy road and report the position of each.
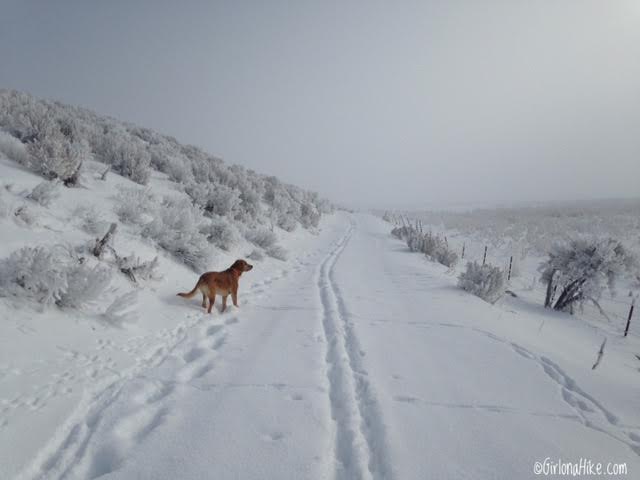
(360, 361)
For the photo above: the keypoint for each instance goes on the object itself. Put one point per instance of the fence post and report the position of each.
(463, 245)
(484, 257)
(626, 329)
(510, 263)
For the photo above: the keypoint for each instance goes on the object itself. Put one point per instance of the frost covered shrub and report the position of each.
(215, 198)
(89, 219)
(256, 255)
(13, 148)
(35, 273)
(309, 216)
(583, 269)
(287, 222)
(445, 256)
(54, 153)
(176, 228)
(484, 281)
(431, 245)
(135, 205)
(220, 233)
(44, 193)
(266, 240)
(277, 252)
(51, 276)
(403, 233)
(128, 156)
(83, 285)
(263, 238)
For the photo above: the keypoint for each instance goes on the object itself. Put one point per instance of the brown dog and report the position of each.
(221, 283)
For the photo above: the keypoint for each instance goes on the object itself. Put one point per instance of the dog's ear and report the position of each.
(237, 265)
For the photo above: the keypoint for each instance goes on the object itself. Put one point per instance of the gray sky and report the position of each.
(385, 104)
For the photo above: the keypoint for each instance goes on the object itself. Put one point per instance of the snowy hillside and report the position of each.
(75, 320)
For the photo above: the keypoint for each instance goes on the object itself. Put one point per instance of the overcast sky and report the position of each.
(386, 104)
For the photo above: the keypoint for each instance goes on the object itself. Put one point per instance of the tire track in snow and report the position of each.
(360, 445)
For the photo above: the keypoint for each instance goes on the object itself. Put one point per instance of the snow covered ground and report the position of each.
(354, 359)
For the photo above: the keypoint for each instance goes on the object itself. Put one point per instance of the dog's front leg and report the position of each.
(234, 298)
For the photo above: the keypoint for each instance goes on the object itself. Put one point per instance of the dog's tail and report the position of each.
(191, 293)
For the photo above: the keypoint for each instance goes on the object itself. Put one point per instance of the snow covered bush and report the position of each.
(287, 222)
(431, 245)
(135, 205)
(309, 216)
(54, 152)
(13, 148)
(51, 276)
(215, 198)
(84, 284)
(256, 255)
(277, 252)
(33, 272)
(403, 233)
(127, 155)
(445, 256)
(220, 232)
(266, 240)
(583, 269)
(176, 228)
(263, 238)
(484, 281)
(89, 219)
(44, 193)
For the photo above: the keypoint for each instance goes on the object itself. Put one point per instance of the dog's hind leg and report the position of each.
(204, 300)
(212, 300)
(224, 302)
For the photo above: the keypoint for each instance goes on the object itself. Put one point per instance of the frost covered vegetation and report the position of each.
(59, 138)
(484, 281)
(195, 205)
(431, 245)
(536, 229)
(582, 270)
(52, 276)
(576, 258)
(221, 202)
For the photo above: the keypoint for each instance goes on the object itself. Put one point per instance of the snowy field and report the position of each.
(355, 358)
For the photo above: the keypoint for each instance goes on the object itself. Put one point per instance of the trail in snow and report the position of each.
(361, 450)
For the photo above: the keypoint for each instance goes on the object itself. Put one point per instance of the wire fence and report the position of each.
(521, 273)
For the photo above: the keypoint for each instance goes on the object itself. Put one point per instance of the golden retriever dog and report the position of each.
(224, 283)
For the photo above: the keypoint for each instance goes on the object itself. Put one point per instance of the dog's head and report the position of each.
(241, 266)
